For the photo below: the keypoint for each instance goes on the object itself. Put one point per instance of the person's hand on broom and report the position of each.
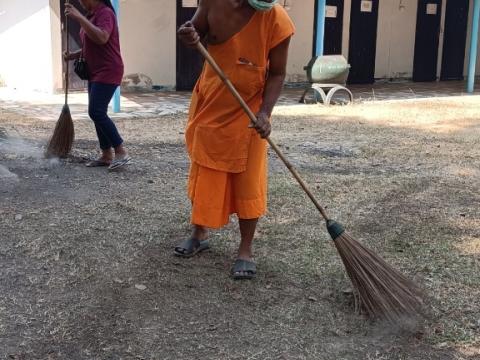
(72, 12)
(67, 56)
(262, 125)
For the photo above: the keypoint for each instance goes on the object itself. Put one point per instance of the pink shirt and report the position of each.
(104, 62)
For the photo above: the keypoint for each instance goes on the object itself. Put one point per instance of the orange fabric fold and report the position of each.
(215, 195)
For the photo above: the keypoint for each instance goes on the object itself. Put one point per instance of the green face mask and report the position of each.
(262, 5)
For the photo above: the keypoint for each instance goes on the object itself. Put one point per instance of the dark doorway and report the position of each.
(455, 39)
(75, 83)
(189, 61)
(333, 27)
(427, 40)
(363, 41)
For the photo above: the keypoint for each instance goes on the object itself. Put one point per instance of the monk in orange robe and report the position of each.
(249, 39)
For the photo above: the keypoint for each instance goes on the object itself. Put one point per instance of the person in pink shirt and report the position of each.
(101, 51)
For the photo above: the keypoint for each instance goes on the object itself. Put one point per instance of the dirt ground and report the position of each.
(86, 265)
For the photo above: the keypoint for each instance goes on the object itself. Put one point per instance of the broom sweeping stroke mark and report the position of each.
(7, 175)
(19, 147)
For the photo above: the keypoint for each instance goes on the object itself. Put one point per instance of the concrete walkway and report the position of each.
(159, 103)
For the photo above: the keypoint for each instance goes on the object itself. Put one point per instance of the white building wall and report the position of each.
(56, 50)
(26, 45)
(148, 39)
(30, 40)
(302, 13)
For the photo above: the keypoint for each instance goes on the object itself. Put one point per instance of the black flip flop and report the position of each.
(191, 247)
(97, 163)
(244, 270)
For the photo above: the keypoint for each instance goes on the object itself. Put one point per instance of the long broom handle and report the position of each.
(253, 119)
(67, 72)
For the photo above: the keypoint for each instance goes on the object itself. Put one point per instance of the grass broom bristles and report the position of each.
(61, 142)
(380, 290)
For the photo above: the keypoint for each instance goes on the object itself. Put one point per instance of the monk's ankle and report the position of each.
(200, 233)
(245, 254)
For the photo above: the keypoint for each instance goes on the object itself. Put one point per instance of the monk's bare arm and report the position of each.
(276, 76)
(277, 71)
(194, 30)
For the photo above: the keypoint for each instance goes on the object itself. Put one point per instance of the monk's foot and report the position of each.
(196, 243)
(244, 269)
(191, 247)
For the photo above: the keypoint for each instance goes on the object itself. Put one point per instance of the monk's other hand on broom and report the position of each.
(188, 34)
(262, 125)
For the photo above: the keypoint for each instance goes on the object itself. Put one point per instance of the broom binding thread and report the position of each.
(335, 229)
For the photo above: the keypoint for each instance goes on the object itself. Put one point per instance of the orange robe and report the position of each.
(228, 172)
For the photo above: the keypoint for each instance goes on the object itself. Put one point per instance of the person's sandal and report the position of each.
(244, 270)
(97, 163)
(117, 163)
(191, 247)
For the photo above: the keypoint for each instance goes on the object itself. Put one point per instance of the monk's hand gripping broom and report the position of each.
(380, 290)
(61, 142)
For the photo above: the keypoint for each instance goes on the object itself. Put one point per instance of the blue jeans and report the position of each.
(99, 96)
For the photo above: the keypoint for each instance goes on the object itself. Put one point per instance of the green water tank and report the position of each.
(331, 69)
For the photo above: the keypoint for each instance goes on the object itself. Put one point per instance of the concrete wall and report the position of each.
(26, 45)
(149, 44)
(147, 31)
(30, 40)
(147, 36)
(56, 47)
(396, 37)
(302, 14)
(395, 41)
(148, 40)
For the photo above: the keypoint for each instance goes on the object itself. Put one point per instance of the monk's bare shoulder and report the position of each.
(207, 3)
(214, 5)
(200, 19)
